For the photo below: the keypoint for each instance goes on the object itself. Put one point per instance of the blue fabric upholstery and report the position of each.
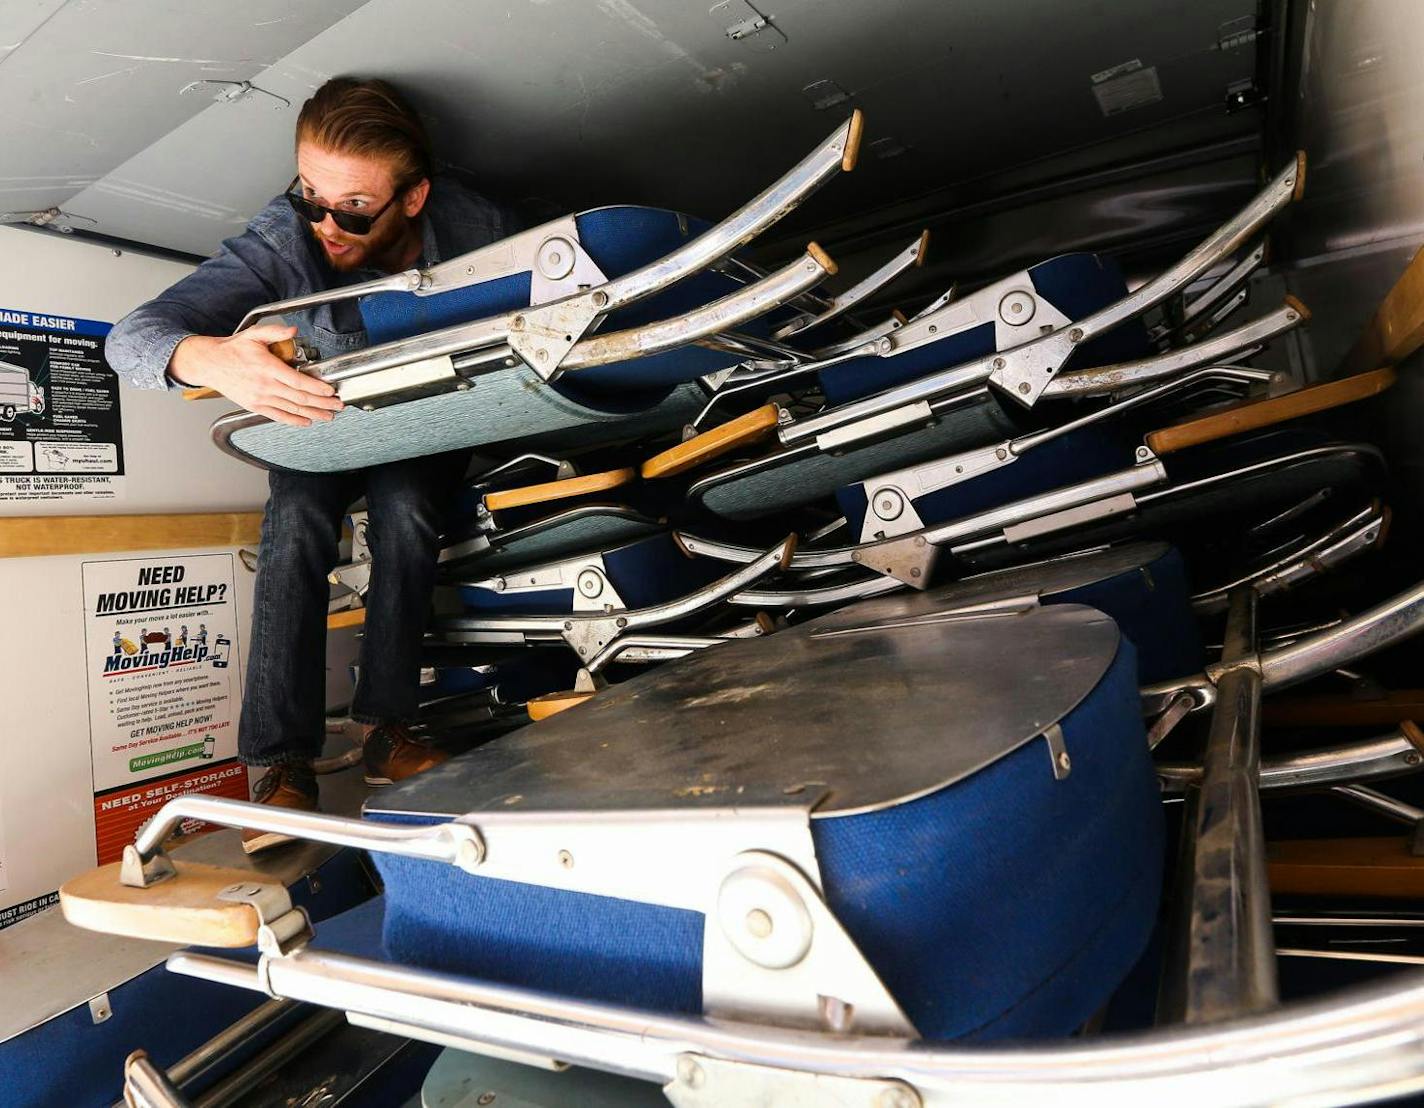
(650, 571)
(71, 1062)
(619, 240)
(1153, 609)
(526, 673)
(1008, 904)
(1076, 284)
(1083, 454)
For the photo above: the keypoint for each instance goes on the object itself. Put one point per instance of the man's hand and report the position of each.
(246, 372)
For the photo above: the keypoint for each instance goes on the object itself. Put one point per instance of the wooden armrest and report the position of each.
(183, 908)
(551, 704)
(1397, 329)
(558, 490)
(1368, 867)
(351, 617)
(852, 150)
(741, 431)
(1397, 707)
(1254, 414)
(286, 350)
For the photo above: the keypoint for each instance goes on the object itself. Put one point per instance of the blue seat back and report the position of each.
(620, 240)
(1076, 284)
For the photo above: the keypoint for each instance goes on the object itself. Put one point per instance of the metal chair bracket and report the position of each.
(544, 336)
(139, 873)
(283, 929)
(773, 950)
(703, 1082)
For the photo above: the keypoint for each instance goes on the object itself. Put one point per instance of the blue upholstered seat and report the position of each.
(1078, 456)
(1005, 904)
(620, 240)
(643, 573)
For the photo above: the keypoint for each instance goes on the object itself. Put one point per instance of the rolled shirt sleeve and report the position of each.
(211, 300)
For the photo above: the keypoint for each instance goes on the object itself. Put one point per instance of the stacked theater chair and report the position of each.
(836, 687)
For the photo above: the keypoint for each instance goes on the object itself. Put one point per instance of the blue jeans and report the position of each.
(284, 703)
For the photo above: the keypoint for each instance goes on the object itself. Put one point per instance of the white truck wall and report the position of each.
(46, 798)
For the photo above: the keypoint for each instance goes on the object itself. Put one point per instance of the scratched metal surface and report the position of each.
(876, 715)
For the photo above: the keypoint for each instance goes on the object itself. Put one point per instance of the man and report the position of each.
(364, 203)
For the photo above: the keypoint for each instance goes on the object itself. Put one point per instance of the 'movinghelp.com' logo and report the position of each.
(203, 750)
(159, 648)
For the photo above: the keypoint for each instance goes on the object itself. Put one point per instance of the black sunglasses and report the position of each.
(353, 223)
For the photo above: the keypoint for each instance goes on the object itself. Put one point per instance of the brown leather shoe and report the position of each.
(393, 754)
(290, 786)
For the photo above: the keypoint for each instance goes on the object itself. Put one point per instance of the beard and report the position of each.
(383, 249)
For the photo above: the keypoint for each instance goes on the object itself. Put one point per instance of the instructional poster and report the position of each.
(60, 432)
(161, 642)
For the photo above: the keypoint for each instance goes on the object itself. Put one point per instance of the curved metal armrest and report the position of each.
(1355, 1045)
(911, 256)
(1023, 372)
(489, 342)
(1390, 755)
(730, 311)
(1384, 625)
(591, 633)
(1103, 380)
(1363, 531)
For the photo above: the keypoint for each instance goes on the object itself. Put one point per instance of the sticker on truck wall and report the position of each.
(1126, 86)
(161, 648)
(60, 433)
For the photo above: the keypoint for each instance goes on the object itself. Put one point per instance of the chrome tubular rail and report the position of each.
(862, 342)
(912, 255)
(1221, 953)
(1148, 472)
(904, 486)
(455, 844)
(516, 254)
(1381, 626)
(646, 648)
(815, 598)
(1235, 344)
(1229, 282)
(1364, 1043)
(147, 1086)
(1027, 369)
(1340, 645)
(1224, 286)
(409, 280)
(1390, 755)
(592, 633)
(1382, 804)
(1234, 277)
(1362, 532)
(937, 303)
(1024, 371)
(836, 153)
(484, 342)
(735, 308)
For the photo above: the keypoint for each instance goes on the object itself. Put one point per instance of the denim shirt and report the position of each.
(276, 258)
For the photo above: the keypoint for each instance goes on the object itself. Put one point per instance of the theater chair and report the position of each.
(692, 881)
(1249, 466)
(599, 324)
